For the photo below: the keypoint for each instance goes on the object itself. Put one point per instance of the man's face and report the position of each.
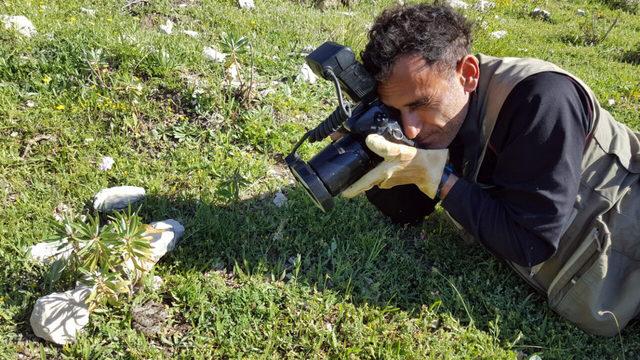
(431, 105)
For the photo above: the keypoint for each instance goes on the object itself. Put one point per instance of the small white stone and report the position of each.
(611, 102)
(232, 74)
(20, 24)
(213, 54)
(483, 5)
(30, 104)
(90, 12)
(193, 34)
(246, 4)
(540, 13)
(307, 75)
(167, 28)
(279, 199)
(14, 134)
(58, 317)
(116, 198)
(581, 12)
(157, 282)
(106, 163)
(498, 34)
(266, 92)
(165, 241)
(458, 4)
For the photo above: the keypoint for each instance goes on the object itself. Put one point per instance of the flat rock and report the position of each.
(46, 252)
(116, 198)
(483, 5)
(20, 24)
(279, 199)
(214, 55)
(541, 14)
(246, 4)
(498, 34)
(458, 4)
(167, 235)
(307, 75)
(58, 317)
(167, 27)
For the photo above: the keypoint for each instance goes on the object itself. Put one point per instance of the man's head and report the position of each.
(420, 57)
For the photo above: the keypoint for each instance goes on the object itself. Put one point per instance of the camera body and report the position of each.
(346, 160)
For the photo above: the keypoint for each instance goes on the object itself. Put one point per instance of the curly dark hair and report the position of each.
(436, 32)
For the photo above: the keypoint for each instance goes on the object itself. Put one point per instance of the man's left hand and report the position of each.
(402, 165)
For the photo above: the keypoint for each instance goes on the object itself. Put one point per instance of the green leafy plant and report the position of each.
(235, 46)
(111, 258)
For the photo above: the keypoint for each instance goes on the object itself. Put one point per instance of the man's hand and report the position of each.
(402, 165)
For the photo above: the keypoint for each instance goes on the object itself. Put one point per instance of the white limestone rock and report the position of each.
(541, 14)
(193, 34)
(165, 240)
(498, 34)
(167, 27)
(458, 4)
(279, 199)
(307, 75)
(87, 11)
(106, 163)
(246, 4)
(116, 198)
(58, 317)
(483, 5)
(213, 54)
(156, 283)
(20, 24)
(47, 252)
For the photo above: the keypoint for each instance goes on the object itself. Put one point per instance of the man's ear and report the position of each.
(468, 70)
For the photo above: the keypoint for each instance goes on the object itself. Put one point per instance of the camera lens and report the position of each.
(333, 169)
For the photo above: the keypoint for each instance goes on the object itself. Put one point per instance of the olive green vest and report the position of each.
(593, 279)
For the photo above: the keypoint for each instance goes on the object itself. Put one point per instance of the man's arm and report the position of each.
(538, 141)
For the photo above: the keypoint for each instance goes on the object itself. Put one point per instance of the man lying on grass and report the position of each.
(536, 170)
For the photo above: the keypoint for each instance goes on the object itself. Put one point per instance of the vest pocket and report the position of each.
(576, 293)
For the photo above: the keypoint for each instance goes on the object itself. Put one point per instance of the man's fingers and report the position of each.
(381, 146)
(373, 177)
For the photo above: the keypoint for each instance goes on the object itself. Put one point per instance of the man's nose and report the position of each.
(411, 125)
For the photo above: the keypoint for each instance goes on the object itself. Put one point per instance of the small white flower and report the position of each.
(30, 103)
(106, 163)
(611, 102)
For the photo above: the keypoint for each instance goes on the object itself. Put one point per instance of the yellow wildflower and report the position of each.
(46, 79)
(60, 107)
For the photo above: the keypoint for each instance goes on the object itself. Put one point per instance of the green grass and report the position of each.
(113, 85)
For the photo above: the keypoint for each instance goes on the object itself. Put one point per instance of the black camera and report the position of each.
(346, 160)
